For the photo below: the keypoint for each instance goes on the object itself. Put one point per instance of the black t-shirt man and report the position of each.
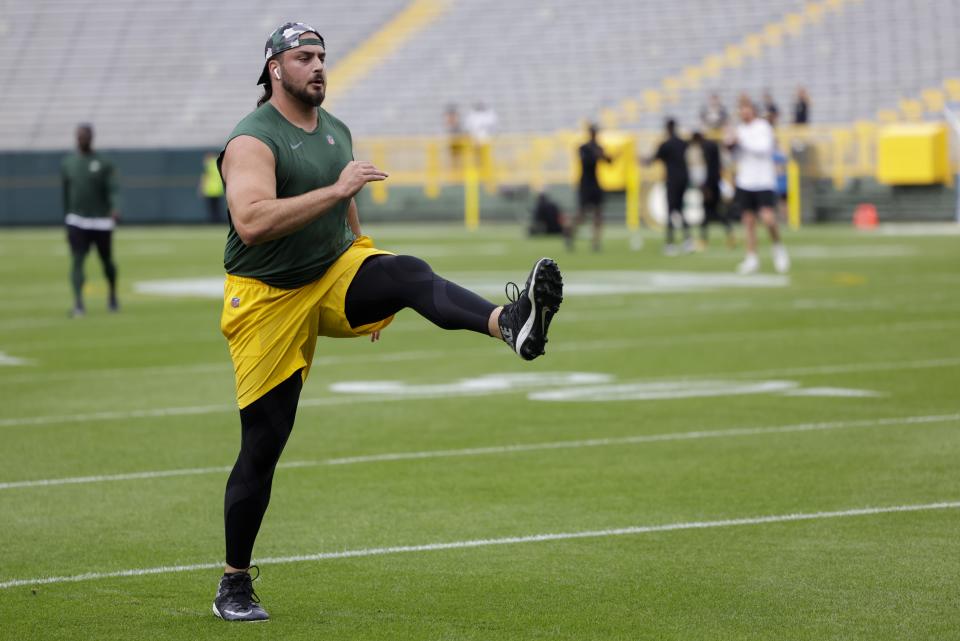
(591, 153)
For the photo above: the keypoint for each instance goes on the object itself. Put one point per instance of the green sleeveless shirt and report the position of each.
(304, 161)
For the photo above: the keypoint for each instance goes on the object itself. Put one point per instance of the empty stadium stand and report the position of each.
(179, 73)
(859, 57)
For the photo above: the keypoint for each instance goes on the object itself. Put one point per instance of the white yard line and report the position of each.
(158, 412)
(840, 368)
(503, 449)
(511, 540)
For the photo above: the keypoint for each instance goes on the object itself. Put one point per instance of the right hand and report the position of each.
(358, 173)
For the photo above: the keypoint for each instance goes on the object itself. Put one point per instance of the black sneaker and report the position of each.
(113, 305)
(524, 322)
(236, 600)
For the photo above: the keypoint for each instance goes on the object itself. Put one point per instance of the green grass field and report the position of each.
(676, 423)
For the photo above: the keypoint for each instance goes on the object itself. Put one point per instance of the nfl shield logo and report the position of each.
(330, 139)
(234, 302)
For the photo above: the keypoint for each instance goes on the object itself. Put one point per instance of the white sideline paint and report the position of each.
(833, 392)
(487, 384)
(505, 449)
(646, 391)
(510, 540)
(587, 387)
(579, 283)
(920, 229)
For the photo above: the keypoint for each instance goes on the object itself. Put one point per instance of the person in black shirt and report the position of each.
(673, 154)
(710, 189)
(770, 110)
(591, 194)
(801, 108)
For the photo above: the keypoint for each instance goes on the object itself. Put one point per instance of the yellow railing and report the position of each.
(837, 152)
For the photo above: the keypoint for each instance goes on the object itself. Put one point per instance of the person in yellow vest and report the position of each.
(211, 187)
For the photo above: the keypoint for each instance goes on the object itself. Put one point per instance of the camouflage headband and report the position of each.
(284, 37)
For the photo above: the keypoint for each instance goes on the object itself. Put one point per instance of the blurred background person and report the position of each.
(801, 107)
(753, 145)
(713, 206)
(590, 194)
(672, 152)
(548, 218)
(480, 124)
(91, 210)
(770, 109)
(714, 116)
(211, 188)
(455, 138)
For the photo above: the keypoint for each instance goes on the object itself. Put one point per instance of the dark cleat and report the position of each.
(236, 600)
(525, 321)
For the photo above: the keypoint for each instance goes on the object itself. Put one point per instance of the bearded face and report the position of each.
(304, 74)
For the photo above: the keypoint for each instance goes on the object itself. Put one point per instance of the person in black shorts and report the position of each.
(713, 209)
(672, 152)
(91, 210)
(753, 145)
(591, 193)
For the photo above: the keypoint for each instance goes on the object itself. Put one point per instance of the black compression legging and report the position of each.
(386, 284)
(265, 427)
(383, 286)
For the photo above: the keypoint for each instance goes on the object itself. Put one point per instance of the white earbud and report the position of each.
(276, 72)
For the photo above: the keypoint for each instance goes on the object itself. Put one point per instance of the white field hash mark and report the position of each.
(512, 540)
(502, 449)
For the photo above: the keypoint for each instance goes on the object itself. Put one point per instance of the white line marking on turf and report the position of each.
(503, 449)
(579, 283)
(8, 360)
(510, 540)
(842, 368)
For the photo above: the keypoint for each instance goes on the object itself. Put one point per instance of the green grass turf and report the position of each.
(873, 312)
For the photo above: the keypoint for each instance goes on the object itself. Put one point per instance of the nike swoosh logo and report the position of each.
(236, 614)
(296, 146)
(543, 317)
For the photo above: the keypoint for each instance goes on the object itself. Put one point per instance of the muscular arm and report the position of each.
(249, 171)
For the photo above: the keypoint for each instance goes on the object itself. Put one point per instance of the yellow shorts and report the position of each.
(273, 332)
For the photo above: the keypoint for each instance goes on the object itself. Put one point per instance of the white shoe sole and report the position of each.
(542, 303)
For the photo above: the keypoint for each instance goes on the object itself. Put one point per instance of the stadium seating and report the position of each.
(177, 73)
(867, 55)
(180, 73)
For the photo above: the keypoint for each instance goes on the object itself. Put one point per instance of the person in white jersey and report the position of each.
(753, 146)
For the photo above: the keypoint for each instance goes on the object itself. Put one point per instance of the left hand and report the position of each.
(375, 336)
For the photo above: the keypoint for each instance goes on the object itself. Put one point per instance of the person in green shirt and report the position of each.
(91, 210)
(298, 267)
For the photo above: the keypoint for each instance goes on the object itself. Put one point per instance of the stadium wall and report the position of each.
(160, 187)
